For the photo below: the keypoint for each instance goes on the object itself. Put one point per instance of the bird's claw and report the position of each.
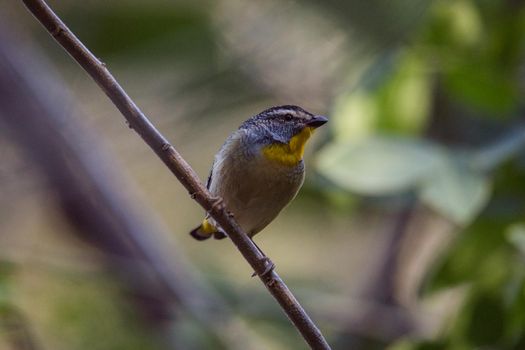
(217, 204)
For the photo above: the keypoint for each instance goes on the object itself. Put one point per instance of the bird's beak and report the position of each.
(316, 121)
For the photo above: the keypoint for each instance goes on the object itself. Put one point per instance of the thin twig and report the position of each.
(179, 167)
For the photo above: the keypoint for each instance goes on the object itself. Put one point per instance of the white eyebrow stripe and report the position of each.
(283, 111)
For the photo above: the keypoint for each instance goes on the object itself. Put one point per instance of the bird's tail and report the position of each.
(206, 230)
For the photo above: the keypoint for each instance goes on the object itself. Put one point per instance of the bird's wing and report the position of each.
(229, 145)
(208, 182)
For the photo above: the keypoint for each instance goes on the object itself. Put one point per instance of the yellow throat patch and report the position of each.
(291, 153)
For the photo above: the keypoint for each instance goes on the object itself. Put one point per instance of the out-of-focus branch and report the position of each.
(383, 318)
(180, 168)
(508, 145)
(382, 288)
(94, 199)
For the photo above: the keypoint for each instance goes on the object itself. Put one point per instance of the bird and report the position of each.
(259, 169)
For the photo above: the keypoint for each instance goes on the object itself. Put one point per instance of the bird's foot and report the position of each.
(217, 204)
(269, 266)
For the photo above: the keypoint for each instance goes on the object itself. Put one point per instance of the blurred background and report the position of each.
(409, 232)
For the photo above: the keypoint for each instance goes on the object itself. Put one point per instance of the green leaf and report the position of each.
(385, 166)
(394, 96)
(377, 166)
(345, 125)
(483, 86)
(403, 103)
(455, 190)
(486, 324)
(455, 23)
(516, 236)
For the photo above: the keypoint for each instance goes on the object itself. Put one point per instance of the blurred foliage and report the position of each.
(424, 97)
(452, 54)
(382, 166)
(86, 317)
(132, 32)
(464, 65)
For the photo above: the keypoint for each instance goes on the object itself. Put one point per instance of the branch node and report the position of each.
(56, 32)
(166, 147)
(270, 282)
(267, 265)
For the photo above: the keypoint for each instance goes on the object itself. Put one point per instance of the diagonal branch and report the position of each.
(179, 167)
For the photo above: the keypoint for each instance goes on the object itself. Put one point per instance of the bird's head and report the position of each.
(283, 132)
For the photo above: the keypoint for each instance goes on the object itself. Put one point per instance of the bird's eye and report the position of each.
(288, 117)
